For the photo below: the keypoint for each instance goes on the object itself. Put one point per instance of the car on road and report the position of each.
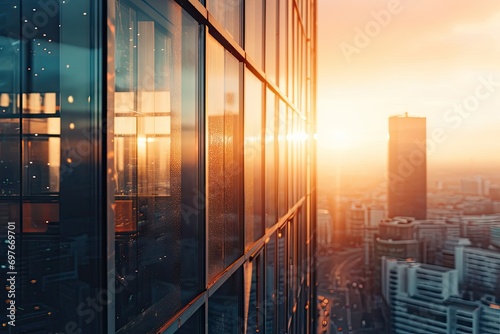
(324, 323)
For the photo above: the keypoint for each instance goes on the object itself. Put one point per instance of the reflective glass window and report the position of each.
(195, 324)
(282, 40)
(271, 209)
(282, 162)
(225, 307)
(271, 294)
(157, 194)
(271, 39)
(223, 158)
(229, 14)
(254, 295)
(254, 29)
(49, 160)
(282, 281)
(253, 147)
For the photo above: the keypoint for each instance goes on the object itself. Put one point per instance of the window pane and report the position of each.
(282, 40)
(254, 12)
(271, 39)
(270, 160)
(225, 307)
(271, 293)
(282, 162)
(48, 160)
(10, 178)
(229, 14)
(156, 163)
(195, 324)
(223, 158)
(253, 158)
(282, 280)
(254, 295)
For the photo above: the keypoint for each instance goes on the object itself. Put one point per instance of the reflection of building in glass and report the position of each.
(158, 163)
(407, 188)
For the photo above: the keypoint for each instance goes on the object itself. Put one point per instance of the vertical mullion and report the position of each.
(107, 134)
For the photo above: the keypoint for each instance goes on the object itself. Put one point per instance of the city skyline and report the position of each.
(424, 58)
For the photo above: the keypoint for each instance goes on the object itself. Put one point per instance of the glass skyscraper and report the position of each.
(157, 166)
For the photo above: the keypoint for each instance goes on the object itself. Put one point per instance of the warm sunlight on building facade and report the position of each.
(157, 166)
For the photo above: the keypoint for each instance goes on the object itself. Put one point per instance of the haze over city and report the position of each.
(382, 58)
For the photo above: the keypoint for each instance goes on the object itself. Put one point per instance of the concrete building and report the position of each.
(325, 227)
(431, 235)
(477, 228)
(355, 221)
(481, 270)
(490, 315)
(397, 239)
(476, 186)
(453, 255)
(424, 299)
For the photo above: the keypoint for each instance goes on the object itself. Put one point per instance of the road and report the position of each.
(340, 281)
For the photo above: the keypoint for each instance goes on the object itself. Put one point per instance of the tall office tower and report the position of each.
(157, 165)
(407, 178)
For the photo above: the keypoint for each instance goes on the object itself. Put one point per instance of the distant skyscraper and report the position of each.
(407, 167)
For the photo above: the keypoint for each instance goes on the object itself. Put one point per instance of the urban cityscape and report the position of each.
(434, 270)
(250, 166)
(408, 206)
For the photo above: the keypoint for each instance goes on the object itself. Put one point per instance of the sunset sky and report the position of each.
(423, 57)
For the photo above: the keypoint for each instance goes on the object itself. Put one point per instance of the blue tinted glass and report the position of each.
(49, 161)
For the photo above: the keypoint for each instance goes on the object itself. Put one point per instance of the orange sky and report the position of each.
(431, 58)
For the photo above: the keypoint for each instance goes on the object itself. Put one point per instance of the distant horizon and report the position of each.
(435, 60)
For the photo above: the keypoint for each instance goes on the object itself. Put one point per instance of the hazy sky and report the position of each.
(434, 58)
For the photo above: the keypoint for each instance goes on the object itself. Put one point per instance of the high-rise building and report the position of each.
(397, 239)
(481, 270)
(407, 178)
(355, 221)
(425, 299)
(490, 315)
(157, 165)
(324, 227)
(477, 228)
(431, 235)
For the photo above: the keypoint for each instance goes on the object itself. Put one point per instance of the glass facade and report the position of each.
(156, 166)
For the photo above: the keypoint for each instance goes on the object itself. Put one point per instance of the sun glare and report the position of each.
(338, 139)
